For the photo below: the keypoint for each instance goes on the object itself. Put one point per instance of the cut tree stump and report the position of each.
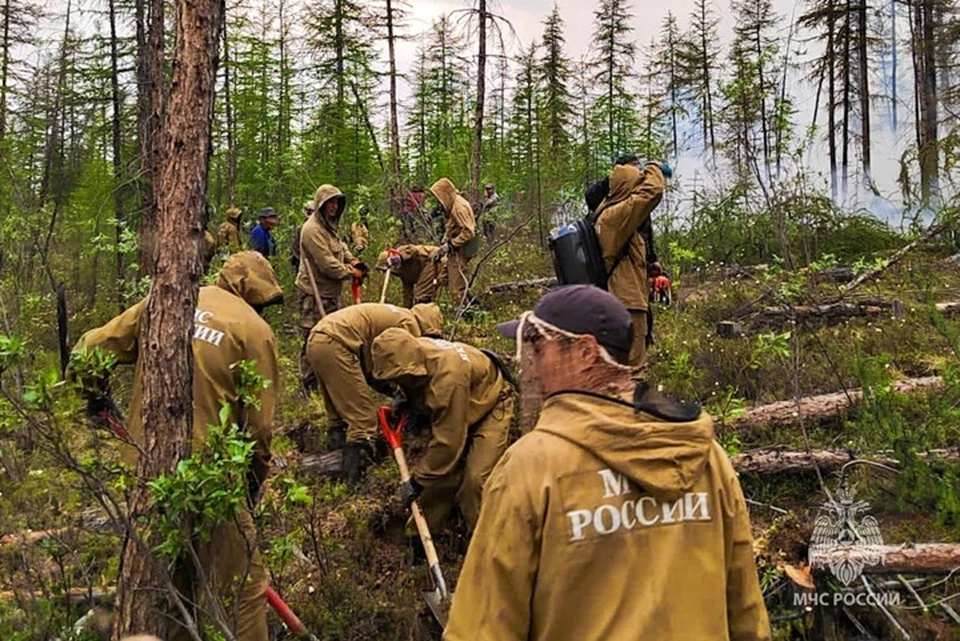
(775, 461)
(729, 329)
(822, 407)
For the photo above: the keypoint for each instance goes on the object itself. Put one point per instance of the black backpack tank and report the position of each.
(577, 258)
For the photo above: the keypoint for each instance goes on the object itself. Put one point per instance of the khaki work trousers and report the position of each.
(638, 352)
(230, 568)
(464, 486)
(346, 395)
(457, 275)
(425, 290)
(310, 316)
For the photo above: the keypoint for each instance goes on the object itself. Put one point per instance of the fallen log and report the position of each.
(522, 284)
(775, 461)
(907, 558)
(802, 313)
(75, 596)
(821, 407)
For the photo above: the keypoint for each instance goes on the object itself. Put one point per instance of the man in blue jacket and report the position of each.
(261, 239)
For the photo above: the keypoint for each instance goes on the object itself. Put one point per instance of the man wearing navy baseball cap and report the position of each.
(616, 513)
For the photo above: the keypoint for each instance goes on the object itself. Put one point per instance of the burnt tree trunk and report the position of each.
(475, 157)
(144, 598)
(864, 87)
(228, 109)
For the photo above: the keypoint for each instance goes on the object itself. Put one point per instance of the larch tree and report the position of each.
(145, 594)
(613, 65)
(556, 103)
(699, 55)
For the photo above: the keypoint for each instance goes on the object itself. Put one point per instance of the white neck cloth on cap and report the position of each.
(550, 332)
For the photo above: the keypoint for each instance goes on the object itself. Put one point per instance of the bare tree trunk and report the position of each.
(481, 99)
(117, 160)
(927, 78)
(845, 161)
(394, 119)
(4, 71)
(167, 362)
(893, 61)
(228, 108)
(864, 86)
(832, 96)
(143, 109)
(154, 156)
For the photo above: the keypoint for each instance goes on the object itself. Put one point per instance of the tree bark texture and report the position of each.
(822, 407)
(153, 128)
(475, 157)
(165, 350)
(775, 461)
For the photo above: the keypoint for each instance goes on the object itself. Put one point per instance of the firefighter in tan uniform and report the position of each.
(464, 395)
(227, 329)
(326, 256)
(459, 229)
(338, 352)
(634, 193)
(619, 517)
(228, 234)
(420, 275)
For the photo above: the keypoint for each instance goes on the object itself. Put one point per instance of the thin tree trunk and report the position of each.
(893, 62)
(144, 590)
(228, 110)
(475, 157)
(117, 160)
(864, 86)
(143, 108)
(929, 138)
(394, 118)
(845, 159)
(832, 96)
(341, 87)
(154, 158)
(4, 72)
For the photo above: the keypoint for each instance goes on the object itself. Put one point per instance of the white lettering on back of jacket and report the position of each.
(201, 331)
(620, 507)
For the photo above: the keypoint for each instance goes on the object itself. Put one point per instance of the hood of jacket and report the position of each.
(397, 353)
(623, 179)
(233, 214)
(429, 319)
(446, 192)
(325, 193)
(664, 458)
(250, 276)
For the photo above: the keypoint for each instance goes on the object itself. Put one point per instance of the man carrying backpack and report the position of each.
(633, 194)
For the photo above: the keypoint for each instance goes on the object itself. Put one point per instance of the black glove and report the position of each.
(362, 266)
(445, 249)
(399, 405)
(409, 492)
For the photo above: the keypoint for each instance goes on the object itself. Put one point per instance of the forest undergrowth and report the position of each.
(341, 559)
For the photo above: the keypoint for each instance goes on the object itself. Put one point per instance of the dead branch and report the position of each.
(911, 558)
(894, 259)
(522, 284)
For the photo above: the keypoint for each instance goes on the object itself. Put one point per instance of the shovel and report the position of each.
(386, 281)
(438, 599)
(355, 289)
(291, 620)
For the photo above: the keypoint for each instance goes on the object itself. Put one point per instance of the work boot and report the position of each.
(356, 459)
(336, 437)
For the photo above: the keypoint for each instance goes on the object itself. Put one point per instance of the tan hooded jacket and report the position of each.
(463, 387)
(228, 234)
(323, 251)
(355, 327)
(226, 330)
(633, 195)
(414, 260)
(460, 226)
(608, 523)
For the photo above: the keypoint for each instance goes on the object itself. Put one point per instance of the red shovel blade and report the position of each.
(355, 288)
(291, 620)
(393, 435)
